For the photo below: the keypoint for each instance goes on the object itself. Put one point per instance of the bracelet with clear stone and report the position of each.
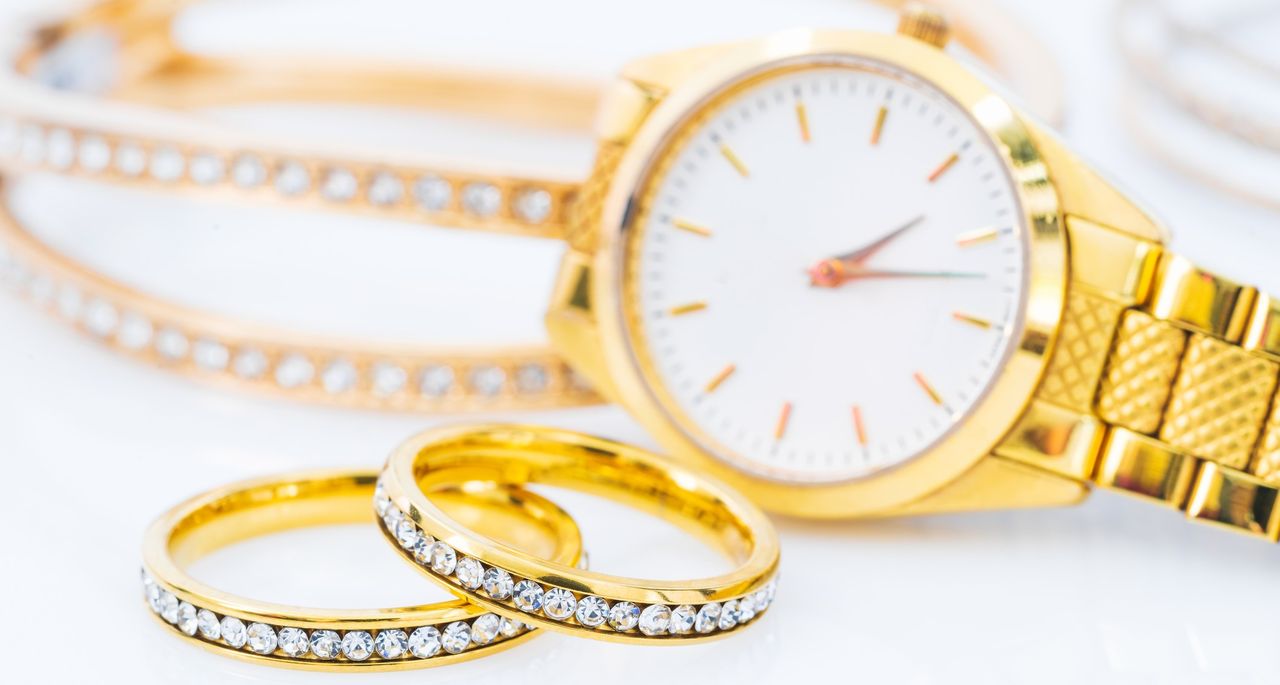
(384, 639)
(558, 596)
(217, 348)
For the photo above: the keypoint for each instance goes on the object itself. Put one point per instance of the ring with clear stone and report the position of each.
(564, 597)
(331, 639)
(223, 349)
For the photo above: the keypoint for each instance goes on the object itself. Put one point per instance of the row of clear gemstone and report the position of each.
(559, 604)
(384, 380)
(328, 645)
(60, 149)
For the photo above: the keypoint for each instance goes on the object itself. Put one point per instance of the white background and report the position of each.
(94, 446)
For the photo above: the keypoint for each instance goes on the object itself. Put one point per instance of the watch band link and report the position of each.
(1188, 393)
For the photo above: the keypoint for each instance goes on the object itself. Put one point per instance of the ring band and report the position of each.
(334, 639)
(558, 596)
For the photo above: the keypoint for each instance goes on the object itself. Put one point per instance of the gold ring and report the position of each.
(334, 639)
(558, 596)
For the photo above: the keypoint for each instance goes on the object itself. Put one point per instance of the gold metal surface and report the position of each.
(733, 158)
(1236, 500)
(689, 308)
(691, 227)
(1056, 439)
(1219, 401)
(1084, 341)
(520, 455)
(1263, 333)
(1201, 301)
(879, 125)
(802, 118)
(1140, 372)
(720, 377)
(1138, 465)
(262, 506)
(918, 20)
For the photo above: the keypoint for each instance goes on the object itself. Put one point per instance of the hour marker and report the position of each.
(942, 168)
(982, 235)
(687, 308)
(971, 320)
(733, 159)
(875, 132)
(933, 394)
(720, 378)
(859, 426)
(691, 227)
(802, 116)
(784, 417)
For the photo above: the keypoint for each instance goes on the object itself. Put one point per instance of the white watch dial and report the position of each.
(828, 273)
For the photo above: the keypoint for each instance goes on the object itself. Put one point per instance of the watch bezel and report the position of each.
(1009, 392)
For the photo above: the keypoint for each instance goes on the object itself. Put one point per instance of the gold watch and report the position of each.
(843, 273)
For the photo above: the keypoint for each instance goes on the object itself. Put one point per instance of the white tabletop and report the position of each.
(95, 446)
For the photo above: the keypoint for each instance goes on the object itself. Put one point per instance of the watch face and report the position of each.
(826, 270)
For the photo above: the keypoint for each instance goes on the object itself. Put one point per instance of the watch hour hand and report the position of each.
(865, 252)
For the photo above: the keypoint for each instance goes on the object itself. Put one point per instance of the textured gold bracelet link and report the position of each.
(1190, 390)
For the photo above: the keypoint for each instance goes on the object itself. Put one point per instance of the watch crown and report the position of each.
(924, 24)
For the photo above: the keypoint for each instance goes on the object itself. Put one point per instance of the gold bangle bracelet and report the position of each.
(333, 639)
(557, 596)
(288, 364)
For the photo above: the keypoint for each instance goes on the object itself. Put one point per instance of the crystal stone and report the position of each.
(262, 638)
(325, 644)
(168, 606)
(424, 643)
(531, 378)
(250, 363)
(167, 164)
(172, 344)
(456, 637)
(481, 199)
(385, 189)
(187, 620)
(60, 149)
(388, 379)
(533, 205)
(435, 381)
(443, 558)
(558, 603)
(94, 154)
(728, 615)
(655, 619)
(207, 168)
(487, 380)
(292, 178)
(708, 618)
(294, 642)
(485, 629)
(248, 171)
(357, 645)
(470, 573)
(592, 611)
(294, 371)
(623, 616)
(497, 583)
(406, 534)
(233, 631)
(527, 595)
(101, 318)
(339, 185)
(131, 159)
(432, 193)
(391, 644)
(682, 619)
(210, 355)
(509, 628)
(207, 622)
